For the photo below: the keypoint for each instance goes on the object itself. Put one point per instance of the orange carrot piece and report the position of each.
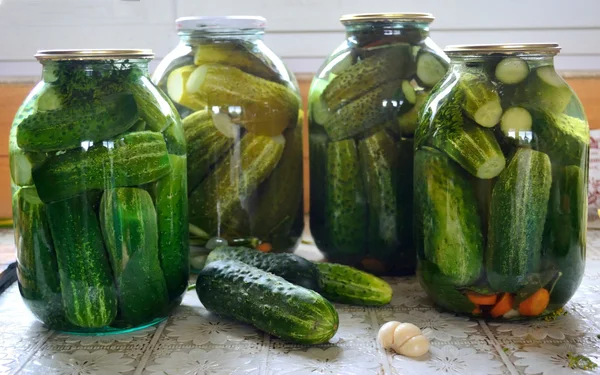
(482, 299)
(535, 304)
(476, 311)
(265, 247)
(503, 305)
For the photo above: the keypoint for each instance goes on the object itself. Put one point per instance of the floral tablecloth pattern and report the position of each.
(194, 342)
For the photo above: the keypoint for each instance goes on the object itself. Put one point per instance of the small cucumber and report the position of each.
(512, 70)
(250, 295)
(480, 100)
(345, 284)
(430, 68)
(293, 268)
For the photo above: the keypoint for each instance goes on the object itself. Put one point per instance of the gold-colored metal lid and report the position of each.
(93, 54)
(386, 17)
(508, 48)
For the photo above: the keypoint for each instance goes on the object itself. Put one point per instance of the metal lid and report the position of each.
(508, 48)
(93, 54)
(386, 17)
(224, 22)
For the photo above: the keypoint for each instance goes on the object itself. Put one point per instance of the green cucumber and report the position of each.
(564, 138)
(128, 222)
(408, 121)
(345, 205)
(317, 109)
(37, 268)
(66, 128)
(318, 144)
(236, 290)
(293, 268)
(565, 230)
(86, 279)
(21, 162)
(511, 70)
(152, 106)
(345, 284)
(442, 289)
(431, 68)
(369, 110)
(473, 147)
(171, 201)
(517, 216)
(129, 160)
(544, 89)
(364, 76)
(516, 123)
(216, 205)
(480, 100)
(205, 143)
(448, 225)
(279, 197)
(378, 157)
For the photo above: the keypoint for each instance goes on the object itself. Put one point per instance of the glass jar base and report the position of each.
(105, 331)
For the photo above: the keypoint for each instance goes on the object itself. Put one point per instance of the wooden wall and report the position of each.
(12, 95)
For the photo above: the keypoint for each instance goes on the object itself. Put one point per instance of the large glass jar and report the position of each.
(363, 106)
(242, 122)
(98, 172)
(501, 165)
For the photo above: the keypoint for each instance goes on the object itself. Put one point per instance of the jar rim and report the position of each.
(208, 23)
(505, 48)
(349, 19)
(93, 54)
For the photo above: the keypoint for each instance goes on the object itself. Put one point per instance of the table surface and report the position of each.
(192, 341)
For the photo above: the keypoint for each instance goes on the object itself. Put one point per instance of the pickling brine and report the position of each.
(501, 166)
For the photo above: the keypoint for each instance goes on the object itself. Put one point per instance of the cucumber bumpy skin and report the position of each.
(448, 226)
(129, 160)
(344, 284)
(480, 100)
(517, 215)
(66, 128)
(245, 293)
(293, 268)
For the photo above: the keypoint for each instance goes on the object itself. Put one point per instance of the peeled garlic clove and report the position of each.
(385, 336)
(404, 332)
(414, 347)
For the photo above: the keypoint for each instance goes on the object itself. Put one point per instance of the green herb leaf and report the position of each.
(578, 361)
(533, 282)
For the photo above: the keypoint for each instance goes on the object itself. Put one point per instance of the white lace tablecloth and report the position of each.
(192, 341)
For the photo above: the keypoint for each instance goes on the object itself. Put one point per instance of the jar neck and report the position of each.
(191, 37)
(388, 29)
(465, 62)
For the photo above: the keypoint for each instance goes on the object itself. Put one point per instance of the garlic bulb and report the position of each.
(404, 338)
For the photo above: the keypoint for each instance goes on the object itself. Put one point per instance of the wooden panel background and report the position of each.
(12, 95)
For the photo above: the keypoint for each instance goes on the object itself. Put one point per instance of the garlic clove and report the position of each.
(385, 336)
(404, 332)
(414, 347)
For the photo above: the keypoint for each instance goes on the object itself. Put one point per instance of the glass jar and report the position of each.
(241, 115)
(363, 106)
(98, 172)
(501, 160)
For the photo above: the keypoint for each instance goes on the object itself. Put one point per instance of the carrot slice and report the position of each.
(482, 299)
(265, 247)
(476, 311)
(535, 304)
(503, 305)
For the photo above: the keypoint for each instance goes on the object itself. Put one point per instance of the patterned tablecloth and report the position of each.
(192, 341)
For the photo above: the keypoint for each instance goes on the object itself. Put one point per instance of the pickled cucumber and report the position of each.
(318, 145)
(267, 108)
(345, 205)
(205, 143)
(372, 109)
(564, 138)
(216, 205)
(176, 88)
(236, 55)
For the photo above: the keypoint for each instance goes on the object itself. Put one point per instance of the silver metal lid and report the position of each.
(93, 54)
(508, 48)
(222, 22)
(349, 19)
